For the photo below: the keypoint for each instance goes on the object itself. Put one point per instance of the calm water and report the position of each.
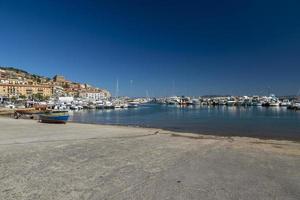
(220, 120)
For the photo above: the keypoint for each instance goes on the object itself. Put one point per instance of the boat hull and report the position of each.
(61, 119)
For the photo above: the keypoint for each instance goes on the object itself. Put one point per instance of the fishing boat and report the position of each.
(55, 116)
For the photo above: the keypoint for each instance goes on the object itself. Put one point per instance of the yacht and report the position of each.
(274, 103)
(272, 100)
(295, 105)
(108, 105)
(172, 100)
(195, 101)
(124, 105)
(133, 104)
(285, 102)
(256, 101)
(100, 105)
(230, 101)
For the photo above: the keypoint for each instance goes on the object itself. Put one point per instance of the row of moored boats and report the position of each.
(266, 101)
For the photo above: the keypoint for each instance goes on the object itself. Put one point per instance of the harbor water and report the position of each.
(261, 122)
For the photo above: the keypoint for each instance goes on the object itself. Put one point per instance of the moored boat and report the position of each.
(295, 105)
(285, 102)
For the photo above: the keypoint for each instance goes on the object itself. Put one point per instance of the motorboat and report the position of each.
(295, 105)
(285, 102)
(231, 102)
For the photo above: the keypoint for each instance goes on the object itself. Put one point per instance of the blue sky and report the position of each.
(165, 47)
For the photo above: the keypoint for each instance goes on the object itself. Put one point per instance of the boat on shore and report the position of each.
(55, 116)
(30, 112)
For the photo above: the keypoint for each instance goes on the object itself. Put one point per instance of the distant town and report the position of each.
(19, 84)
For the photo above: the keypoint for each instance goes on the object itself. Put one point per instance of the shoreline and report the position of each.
(263, 143)
(234, 140)
(179, 132)
(196, 133)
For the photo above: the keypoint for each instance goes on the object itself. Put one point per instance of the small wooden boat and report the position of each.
(55, 117)
(29, 112)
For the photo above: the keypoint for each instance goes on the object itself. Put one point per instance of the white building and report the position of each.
(65, 99)
(94, 96)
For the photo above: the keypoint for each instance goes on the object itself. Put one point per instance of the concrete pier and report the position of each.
(83, 161)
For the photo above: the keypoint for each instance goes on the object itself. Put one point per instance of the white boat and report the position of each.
(272, 100)
(132, 105)
(74, 107)
(125, 105)
(255, 101)
(117, 106)
(230, 101)
(285, 102)
(274, 103)
(10, 106)
(91, 106)
(295, 105)
(195, 101)
(100, 105)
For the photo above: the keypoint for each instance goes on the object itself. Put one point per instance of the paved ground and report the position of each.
(76, 161)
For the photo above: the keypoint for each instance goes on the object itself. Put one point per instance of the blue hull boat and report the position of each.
(55, 117)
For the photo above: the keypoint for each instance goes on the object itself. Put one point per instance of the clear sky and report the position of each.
(166, 46)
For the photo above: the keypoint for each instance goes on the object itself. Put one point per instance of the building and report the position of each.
(65, 99)
(2, 74)
(92, 95)
(58, 78)
(16, 90)
(106, 93)
(58, 91)
(16, 83)
(74, 92)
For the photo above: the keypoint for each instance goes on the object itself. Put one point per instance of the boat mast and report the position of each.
(117, 89)
(131, 91)
(173, 88)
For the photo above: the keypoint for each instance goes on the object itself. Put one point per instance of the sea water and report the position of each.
(262, 122)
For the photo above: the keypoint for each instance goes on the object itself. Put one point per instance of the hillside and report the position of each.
(13, 71)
